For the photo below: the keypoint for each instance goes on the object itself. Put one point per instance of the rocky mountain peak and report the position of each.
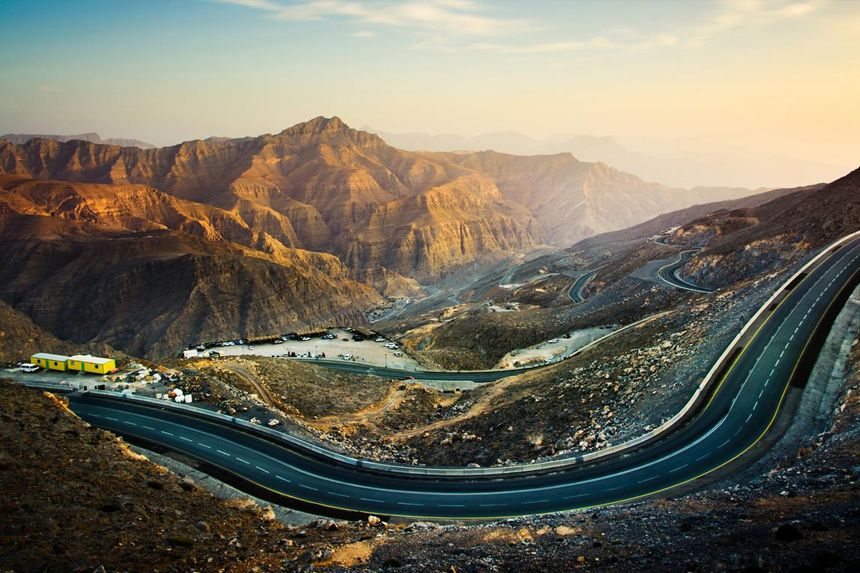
(329, 130)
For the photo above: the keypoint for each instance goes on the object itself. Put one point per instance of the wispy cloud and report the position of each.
(544, 48)
(452, 17)
(728, 15)
(736, 14)
(454, 25)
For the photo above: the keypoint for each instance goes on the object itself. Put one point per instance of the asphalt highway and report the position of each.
(575, 291)
(741, 409)
(669, 273)
(452, 375)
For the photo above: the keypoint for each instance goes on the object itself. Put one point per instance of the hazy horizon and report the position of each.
(775, 77)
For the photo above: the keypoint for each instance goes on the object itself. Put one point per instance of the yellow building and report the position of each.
(50, 361)
(92, 364)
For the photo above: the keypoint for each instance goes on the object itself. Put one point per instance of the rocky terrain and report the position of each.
(152, 292)
(347, 192)
(77, 498)
(795, 511)
(313, 220)
(741, 242)
(625, 385)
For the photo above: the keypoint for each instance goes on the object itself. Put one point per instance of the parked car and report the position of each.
(391, 345)
(553, 340)
(306, 338)
(398, 354)
(379, 339)
(29, 368)
(347, 356)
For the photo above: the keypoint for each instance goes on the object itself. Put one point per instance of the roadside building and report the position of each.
(365, 332)
(91, 364)
(50, 361)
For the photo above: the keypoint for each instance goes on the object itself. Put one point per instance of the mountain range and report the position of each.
(150, 249)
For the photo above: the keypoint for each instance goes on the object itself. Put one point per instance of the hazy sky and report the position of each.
(781, 76)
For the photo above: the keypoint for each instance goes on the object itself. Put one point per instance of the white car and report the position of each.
(347, 356)
(379, 339)
(29, 368)
(391, 345)
(553, 340)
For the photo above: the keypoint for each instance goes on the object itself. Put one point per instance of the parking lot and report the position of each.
(340, 347)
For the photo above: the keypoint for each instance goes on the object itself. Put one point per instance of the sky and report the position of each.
(776, 76)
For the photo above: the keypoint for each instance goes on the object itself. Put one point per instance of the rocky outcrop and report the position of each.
(154, 291)
(743, 243)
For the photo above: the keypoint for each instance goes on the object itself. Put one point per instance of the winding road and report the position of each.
(669, 273)
(575, 290)
(748, 392)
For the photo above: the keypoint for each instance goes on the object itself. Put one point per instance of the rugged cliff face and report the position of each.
(151, 292)
(319, 186)
(323, 186)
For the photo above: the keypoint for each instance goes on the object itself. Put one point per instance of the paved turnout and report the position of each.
(742, 408)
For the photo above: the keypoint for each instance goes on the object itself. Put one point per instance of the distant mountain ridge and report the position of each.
(21, 138)
(676, 165)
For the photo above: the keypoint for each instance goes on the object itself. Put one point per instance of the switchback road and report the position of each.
(746, 398)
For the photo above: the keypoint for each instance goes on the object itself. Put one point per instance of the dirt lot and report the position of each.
(365, 352)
